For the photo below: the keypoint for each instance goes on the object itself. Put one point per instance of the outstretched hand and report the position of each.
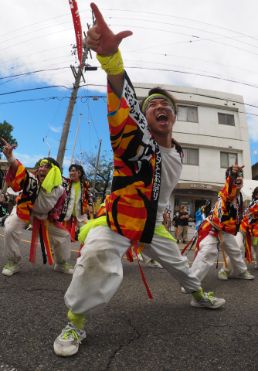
(100, 38)
(8, 148)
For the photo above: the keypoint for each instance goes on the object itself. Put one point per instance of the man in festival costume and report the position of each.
(220, 228)
(40, 203)
(78, 204)
(247, 238)
(249, 229)
(139, 195)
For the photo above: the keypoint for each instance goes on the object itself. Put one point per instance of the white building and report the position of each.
(212, 129)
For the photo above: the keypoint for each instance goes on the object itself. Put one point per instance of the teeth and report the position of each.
(162, 116)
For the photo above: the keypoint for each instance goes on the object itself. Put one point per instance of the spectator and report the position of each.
(183, 219)
(175, 222)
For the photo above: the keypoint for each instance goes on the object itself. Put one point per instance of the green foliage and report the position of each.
(6, 133)
(101, 177)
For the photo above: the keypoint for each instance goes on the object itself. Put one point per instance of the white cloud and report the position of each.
(193, 38)
(28, 160)
(253, 131)
(55, 129)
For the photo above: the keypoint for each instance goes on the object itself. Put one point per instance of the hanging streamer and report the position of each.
(77, 27)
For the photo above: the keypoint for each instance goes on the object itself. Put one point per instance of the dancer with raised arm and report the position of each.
(40, 203)
(147, 166)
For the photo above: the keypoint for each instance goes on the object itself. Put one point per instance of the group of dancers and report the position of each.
(55, 207)
(147, 167)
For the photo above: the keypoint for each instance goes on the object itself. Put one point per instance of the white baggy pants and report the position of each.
(209, 253)
(13, 230)
(98, 271)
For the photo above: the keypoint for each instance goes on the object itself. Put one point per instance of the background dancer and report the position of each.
(79, 204)
(249, 229)
(247, 238)
(40, 201)
(220, 228)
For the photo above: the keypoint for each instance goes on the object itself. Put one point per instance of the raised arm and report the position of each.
(8, 152)
(105, 43)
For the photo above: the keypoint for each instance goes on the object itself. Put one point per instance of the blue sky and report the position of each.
(200, 44)
(38, 122)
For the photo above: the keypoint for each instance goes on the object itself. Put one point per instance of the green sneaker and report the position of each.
(68, 342)
(246, 275)
(10, 268)
(64, 268)
(207, 300)
(223, 275)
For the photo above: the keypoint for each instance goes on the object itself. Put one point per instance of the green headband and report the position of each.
(157, 96)
(44, 161)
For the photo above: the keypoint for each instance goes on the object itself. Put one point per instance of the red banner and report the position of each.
(77, 27)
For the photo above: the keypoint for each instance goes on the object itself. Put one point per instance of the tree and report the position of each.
(6, 133)
(102, 176)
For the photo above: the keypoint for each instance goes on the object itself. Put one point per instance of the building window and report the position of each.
(226, 119)
(187, 113)
(191, 156)
(228, 159)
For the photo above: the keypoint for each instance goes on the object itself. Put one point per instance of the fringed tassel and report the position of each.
(39, 229)
(135, 248)
(47, 243)
(190, 243)
(248, 247)
(44, 257)
(73, 229)
(34, 240)
(221, 244)
(129, 255)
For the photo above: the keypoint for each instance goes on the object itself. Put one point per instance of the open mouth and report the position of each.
(41, 176)
(238, 182)
(161, 117)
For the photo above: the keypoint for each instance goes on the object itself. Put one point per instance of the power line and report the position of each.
(30, 25)
(195, 74)
(85, 98)
(148, 69)
(165, 30)
(34, 72)
(197, 38)
(205, 31)
(187, 19)
(34, 89)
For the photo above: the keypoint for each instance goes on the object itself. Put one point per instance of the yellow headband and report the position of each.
(157, 96)
(45, 162)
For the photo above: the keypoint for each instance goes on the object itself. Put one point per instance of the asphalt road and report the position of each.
(132, 332)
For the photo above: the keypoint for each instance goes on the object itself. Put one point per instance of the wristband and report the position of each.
(112, 64)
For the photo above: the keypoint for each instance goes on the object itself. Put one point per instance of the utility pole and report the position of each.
(76, 136)
(96, 169)
(66, 128)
